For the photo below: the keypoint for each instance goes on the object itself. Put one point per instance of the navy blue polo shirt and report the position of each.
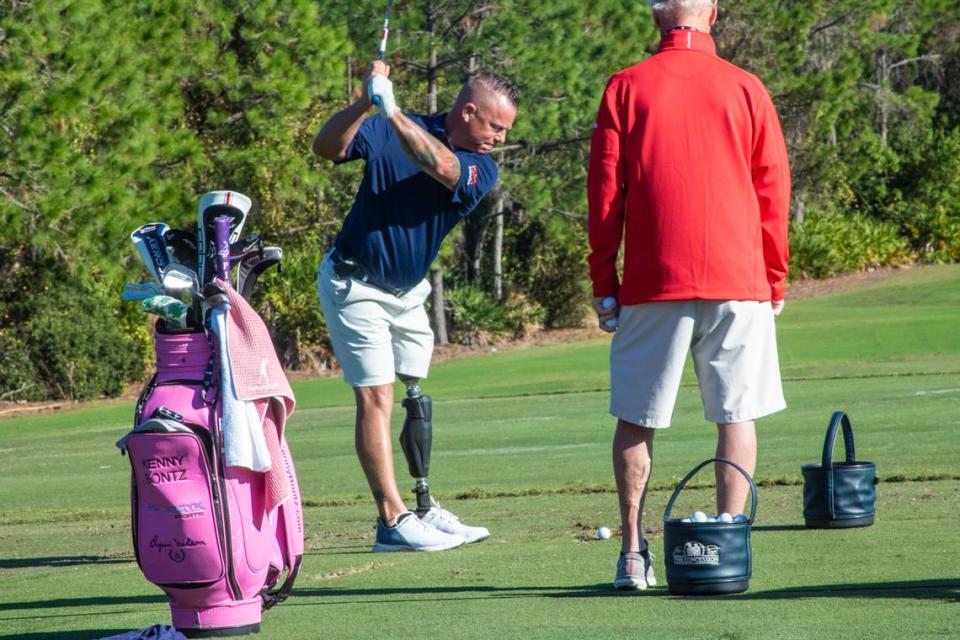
(401, 215)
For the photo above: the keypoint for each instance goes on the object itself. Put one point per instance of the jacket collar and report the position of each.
(687, 39)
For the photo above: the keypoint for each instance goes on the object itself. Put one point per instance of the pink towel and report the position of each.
(258, 377)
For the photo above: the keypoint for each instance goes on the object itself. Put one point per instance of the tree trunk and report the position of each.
(437, 304)
(437, 312)
(498, 256)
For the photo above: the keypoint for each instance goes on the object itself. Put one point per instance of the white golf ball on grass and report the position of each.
(603, 533)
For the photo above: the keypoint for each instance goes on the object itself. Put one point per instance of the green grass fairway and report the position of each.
(522, 445)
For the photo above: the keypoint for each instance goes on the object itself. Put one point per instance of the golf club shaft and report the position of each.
(382, 51)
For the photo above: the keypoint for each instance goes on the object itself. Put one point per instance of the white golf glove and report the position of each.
(381, 87)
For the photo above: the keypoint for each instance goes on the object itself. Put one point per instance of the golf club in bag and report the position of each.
(223, 541)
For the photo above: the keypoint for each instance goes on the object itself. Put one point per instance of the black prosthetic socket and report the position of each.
(416, 438)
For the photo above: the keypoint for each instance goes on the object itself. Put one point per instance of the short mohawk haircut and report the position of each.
(498, 84)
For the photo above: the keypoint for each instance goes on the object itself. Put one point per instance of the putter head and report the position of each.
(252, 266)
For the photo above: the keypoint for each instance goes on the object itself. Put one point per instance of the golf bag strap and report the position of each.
(209, 374)
(141, 401)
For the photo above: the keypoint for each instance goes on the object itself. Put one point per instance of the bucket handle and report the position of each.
(693, 472)
(838, 418)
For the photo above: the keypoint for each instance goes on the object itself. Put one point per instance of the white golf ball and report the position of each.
(609, 302)
(603, 533)
(698, 516)
(685, 520)
(740, 517)
(724, 517)
(611, 323)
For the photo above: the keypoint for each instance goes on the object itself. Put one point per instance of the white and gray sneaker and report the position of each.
(635, 569)
(446, 521)
(409, 533)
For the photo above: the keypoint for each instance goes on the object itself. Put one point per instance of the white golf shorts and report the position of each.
(375, 334)
(734, 346)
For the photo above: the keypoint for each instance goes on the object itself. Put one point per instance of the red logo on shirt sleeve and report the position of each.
(472, 175)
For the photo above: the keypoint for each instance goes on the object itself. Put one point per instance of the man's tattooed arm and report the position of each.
(430, 154)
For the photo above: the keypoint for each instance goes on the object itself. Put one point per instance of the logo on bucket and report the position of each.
(695, 552)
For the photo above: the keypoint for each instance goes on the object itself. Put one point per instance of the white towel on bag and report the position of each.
(242, 426)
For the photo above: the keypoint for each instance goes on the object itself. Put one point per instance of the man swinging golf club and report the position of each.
(423, 174)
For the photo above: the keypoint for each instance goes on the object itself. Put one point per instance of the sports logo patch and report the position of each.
(472, 175)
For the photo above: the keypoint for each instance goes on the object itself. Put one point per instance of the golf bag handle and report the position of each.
(281, 593)
(693, 472)
(839, 418)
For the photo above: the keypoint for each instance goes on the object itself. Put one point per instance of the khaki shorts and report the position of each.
(375, 334)
(734, 348)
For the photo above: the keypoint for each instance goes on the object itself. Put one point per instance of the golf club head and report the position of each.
(179, 278)
(141, 290)
(246, 245)
(152, 248)
(182, 247)
(252, 266)
(214, 204)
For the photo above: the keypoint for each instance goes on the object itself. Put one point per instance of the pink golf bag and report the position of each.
(203, 532)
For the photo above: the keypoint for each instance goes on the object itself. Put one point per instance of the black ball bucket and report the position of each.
(708, 558)
(839, 495)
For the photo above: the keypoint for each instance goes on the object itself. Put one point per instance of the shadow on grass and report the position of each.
(91, 634)
(948, 590)
(779, 527)
(81, 602)
(61, 561)
(479, 592)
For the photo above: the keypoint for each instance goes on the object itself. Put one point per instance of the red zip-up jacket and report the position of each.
(688, 159)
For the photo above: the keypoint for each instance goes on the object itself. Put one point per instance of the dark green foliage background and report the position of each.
(114, 114)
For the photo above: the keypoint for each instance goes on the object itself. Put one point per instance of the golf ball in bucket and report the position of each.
(603, 533)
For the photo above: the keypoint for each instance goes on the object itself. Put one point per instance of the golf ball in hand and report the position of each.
(611, 323)
(603, 533)
(609, 302)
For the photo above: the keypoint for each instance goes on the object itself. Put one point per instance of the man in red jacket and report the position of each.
(689, 169)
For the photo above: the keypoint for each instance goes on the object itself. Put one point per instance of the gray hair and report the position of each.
(680, 7)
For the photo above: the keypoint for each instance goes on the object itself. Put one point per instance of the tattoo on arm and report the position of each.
(430, 154)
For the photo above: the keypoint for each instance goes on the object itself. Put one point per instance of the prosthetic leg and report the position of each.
(416, 438)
